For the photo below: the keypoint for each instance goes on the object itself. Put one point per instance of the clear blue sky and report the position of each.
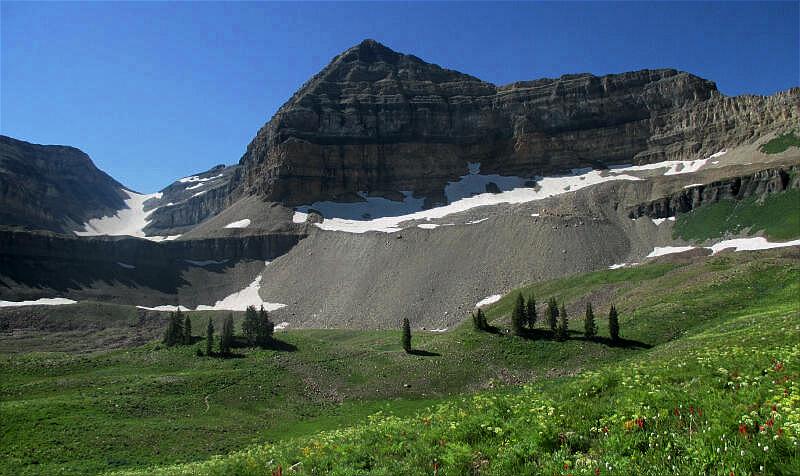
(156, 91)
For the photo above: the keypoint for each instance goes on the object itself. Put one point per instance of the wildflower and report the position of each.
(596, 471)
(742, 429)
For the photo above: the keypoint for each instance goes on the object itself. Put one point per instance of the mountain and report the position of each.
(389, 187)
(53, 187)
(379, 121)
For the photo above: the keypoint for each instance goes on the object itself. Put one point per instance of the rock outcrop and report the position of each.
(379, 121)
(759, 184)
(53, 187)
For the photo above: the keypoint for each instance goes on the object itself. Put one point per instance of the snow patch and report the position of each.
(38, 302)
(162, 237)
(166, 308)
(428, 226)
(489, 300)
(668, 250)
(443, 329)
(659, 221)
(750, 244)
(617, 266)
(127, 221)
(239, 224)
(718, 154)
(692, 185)
(126, 265)
(196, 178)
(239, 301)
(299, 217)
(475, 222)
(201, 184)
(199, 193)
(281, 326)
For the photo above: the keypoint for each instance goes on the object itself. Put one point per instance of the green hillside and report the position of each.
(350, 402)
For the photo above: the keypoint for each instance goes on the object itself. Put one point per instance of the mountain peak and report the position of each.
(370, 51)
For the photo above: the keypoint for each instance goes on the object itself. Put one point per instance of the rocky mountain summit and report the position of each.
(378, 121)
(53, 187)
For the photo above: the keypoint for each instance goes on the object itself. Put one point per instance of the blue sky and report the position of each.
(156, 91)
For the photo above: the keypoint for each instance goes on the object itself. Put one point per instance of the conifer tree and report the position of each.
(562, 332)
(484, 322)
(589, 325)
(518, 316)
(174, 332)
(250, 325)
(406, 335)
(476, 321)
(187, 331)
(265, 328)
(226, 339)
(552, 314)
(613, 323)
(209, 338)
(530, 311)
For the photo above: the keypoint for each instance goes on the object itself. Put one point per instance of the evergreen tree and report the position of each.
(476, 321)
(613, 323)
(530, 311)
(187, 331)
(174, 332)
(552, 314)
(589, 325)
(226, 339)
(562, 332)
(406, 335)
(250, 325)
(518, 316)
(484, 322)
(209, 338)
(265, 328)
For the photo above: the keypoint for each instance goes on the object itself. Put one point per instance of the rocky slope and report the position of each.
(53, 187)
(378, 121)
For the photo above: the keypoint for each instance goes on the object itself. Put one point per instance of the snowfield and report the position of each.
(38, 302)
(470, 191)
(128, 221)
(239, 224)
(240, 300)
(489, 300)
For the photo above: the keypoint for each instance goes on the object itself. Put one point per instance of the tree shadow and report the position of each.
(281, 346)
(424, 353)
(623, 343)
(547, 334)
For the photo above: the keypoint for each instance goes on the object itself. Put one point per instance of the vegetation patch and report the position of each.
(778, 216)
(781, 144)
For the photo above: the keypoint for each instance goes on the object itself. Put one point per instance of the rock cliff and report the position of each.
(379, 121)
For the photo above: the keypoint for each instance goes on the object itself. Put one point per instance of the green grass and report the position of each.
(781, 143)
(145, 407)
(778, 216)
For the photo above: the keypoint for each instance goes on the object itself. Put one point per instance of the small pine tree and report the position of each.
(226, 339)
(518, 316)
(482, 320)
(589, 325)
(613, 323)
(250, 325)
(209, 338)
(265, 328)
(406, 335)
(562, 332)
(530, 311)
(174, 332)
(552, 314)
(476, 321)
(187, 331)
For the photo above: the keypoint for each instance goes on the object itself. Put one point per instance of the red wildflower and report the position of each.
(566, 465)
(278, 472)
(700, 411)
(676, 412)
(742, 429)
(596, 471)
(778, 366)
(640, 423)
(605, 430)
(770, 422)
(760, 428)
(691, 409)
(774, 408)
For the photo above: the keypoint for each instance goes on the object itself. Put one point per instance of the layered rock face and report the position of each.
(379, 121)
(759, 184)
(53, 187)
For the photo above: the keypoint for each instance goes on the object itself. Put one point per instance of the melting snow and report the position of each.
(162, 238)
(668, 250)
(38, 302)
(428, 226)
(659, 221)
(281, 326)
(239, 301)
(199, 193)
(750, 244)
(239, 224)
(475, 222)
(201, 184)
(692, 185)
(126, 266)
(443, 329)
(489, 300)
(196, 178)
(718, 154)
(128, 221)
(165, 307)
(617, 266)
(299, 217)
